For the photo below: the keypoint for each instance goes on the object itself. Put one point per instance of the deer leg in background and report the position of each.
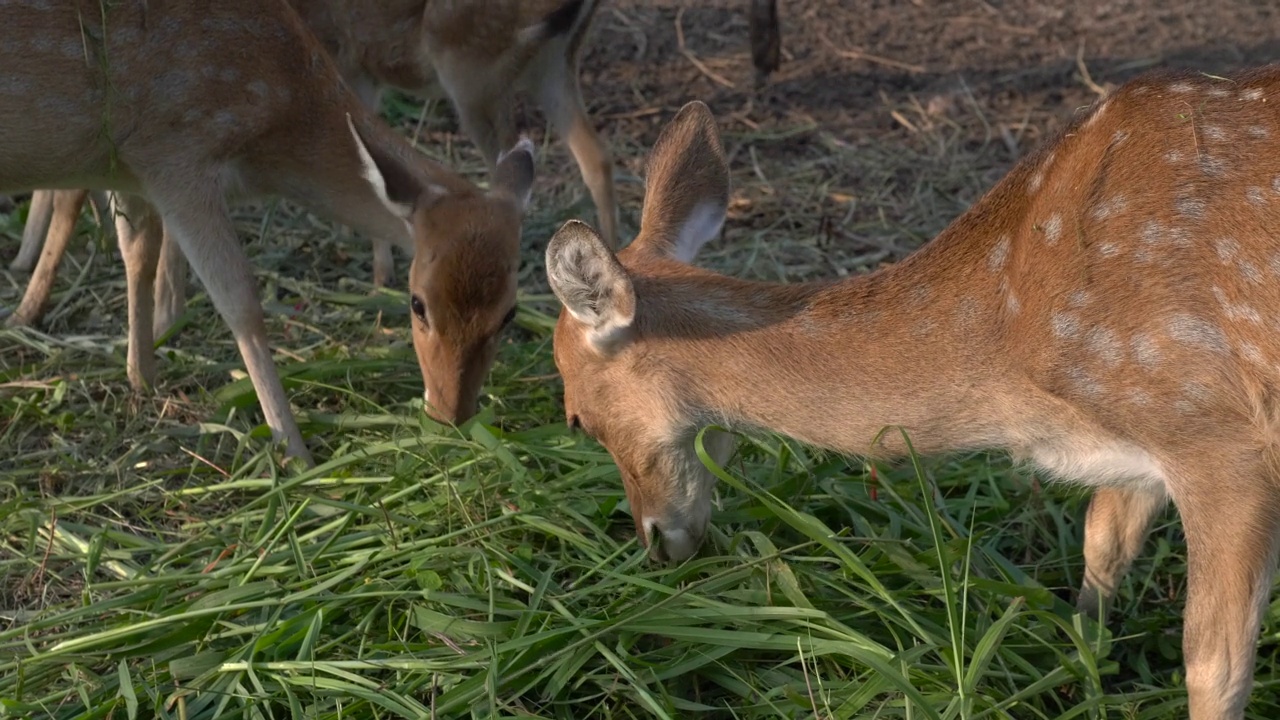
(766, 38)
(170, 286)
(39, 214)
(60, 210)
(138, 232)
(1116, 524)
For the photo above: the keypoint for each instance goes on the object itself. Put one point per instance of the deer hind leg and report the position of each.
(39, 213)
(60, 223)
(1116, 525)
(560, 97)
(138, 233)
(1231, 524)
(171, 284)
(201, 225)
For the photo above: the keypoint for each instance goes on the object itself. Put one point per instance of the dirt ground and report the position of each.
(887, 117)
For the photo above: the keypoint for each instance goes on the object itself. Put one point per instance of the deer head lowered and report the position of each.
(1108, 312)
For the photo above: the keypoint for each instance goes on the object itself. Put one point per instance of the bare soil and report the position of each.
(887, 117)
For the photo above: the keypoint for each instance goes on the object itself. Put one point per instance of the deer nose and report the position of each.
(669, 543)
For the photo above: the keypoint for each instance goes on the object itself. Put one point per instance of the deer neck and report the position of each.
(835, 364)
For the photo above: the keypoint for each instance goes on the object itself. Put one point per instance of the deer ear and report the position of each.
(687, 186)
(592, 285)
(515, 172)
(390, 179)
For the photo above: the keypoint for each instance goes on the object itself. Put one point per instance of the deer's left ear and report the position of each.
(592, 285)
(391, 181)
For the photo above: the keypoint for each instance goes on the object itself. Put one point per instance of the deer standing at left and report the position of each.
(480, 52)
(176, 106)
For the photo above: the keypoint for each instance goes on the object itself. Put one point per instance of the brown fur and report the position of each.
(1106, 312)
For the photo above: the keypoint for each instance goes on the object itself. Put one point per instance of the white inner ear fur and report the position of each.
(370, 172)
(703, 224)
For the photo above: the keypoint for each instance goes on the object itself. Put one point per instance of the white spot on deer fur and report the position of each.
(1193, 330)
(1086, 384)
(1011, 303)
(1053, 229)
(1213, 132)
(1151, 233)
(1146, 352)
(1244, 312)
(259, 88)
(1108, 207)
(1213, 166)
(1108, 249)
(1138, 396)
(1190, 207)
(1258, 132)
(1078, 298)
(999, 254)
(1250, 272)
(1218, 92)
(1181, 87)
(1103, 343)
(1227, 249)
(1035, 181)
(1275, 184)
(1173, 157)
(1256, 195)
(1065, 325)
(1251, 94)
(1250, 352)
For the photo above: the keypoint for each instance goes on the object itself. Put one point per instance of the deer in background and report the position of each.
(95, 96)
(481, 52)
(1107, 312)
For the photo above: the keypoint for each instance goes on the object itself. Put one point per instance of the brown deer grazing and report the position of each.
(481, 52)
(96, 96)
(1107, 312)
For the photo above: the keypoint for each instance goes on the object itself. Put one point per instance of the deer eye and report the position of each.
(419, 310)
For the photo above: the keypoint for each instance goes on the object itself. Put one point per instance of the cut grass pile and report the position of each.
(155, 563)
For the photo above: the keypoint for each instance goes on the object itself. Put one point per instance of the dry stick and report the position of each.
(1084, 72)
(693, 58)
(859, 55)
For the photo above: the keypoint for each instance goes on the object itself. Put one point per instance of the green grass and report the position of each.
(155, 563)
(421, 571)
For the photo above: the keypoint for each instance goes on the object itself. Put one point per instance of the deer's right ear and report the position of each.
(686, 190)
(390, 179)
(592, 285)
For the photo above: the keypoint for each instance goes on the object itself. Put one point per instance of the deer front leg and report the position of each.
(1231, 529)
(33, 233)
(201, 225)
(138, 233)
(561, 99)
(64, 208)
(1116, 524)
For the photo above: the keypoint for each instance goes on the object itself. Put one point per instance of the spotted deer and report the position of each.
(1107, 312)
(480, 52)
(95, 96)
